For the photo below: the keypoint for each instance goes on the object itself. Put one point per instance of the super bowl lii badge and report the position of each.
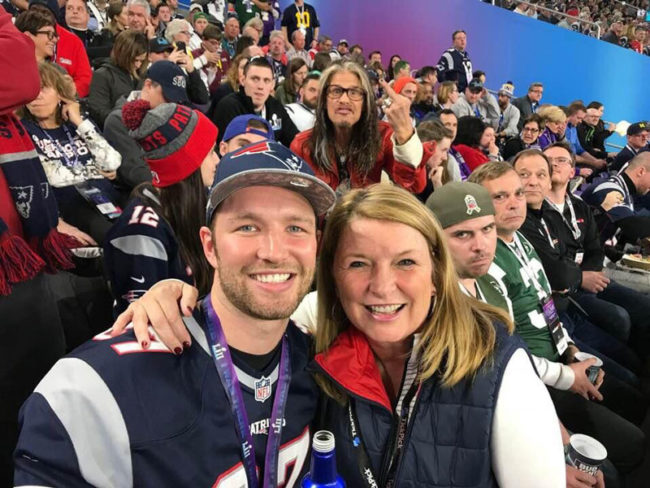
(262, 389)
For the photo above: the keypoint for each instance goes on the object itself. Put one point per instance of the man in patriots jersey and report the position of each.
(233, 410)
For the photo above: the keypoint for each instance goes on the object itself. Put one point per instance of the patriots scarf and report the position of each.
(44, 248)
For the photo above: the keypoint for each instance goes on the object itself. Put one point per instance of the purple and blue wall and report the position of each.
(505, 45)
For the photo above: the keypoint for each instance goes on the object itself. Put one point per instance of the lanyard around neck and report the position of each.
(228, 376)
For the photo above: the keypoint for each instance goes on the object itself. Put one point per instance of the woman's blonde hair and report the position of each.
(552, 113)
(52, 76)
(445, 90)
(457, 336)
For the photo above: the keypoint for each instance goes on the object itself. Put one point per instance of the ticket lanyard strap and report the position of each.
(226, 369)
(573, 224)
(520, 254)
(547, 233)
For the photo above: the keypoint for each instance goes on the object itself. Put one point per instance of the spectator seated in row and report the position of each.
(287, 91)
(468, 139)
(303, 112)
(637, 140)
(41, 29)
(77, 160)
(529, 103)
(527, 139)
(476, 101)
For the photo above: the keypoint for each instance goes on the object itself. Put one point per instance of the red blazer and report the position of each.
(404, 175)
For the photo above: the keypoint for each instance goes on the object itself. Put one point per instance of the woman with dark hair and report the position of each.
(100, 46)
(528, 138)
(394, 59)
(77, 160)
(40, 28)
(120, 75)
(287, 92)
(157, 235)
(468, 141)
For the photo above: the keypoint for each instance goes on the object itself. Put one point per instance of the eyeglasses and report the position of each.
(532, 131)
(50, 34)
(335, 92)
(560, 161)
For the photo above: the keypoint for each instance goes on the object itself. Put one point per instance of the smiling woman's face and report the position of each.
(383, 272)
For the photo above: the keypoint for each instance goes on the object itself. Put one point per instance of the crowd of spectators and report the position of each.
(124, 111)
(625, 24)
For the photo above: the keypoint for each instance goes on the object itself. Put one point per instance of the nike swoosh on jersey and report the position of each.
(138, 280)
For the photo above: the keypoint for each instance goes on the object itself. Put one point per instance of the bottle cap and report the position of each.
(323, 441)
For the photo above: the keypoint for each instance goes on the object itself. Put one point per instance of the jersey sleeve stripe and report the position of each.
(140, 245)
(91, 416)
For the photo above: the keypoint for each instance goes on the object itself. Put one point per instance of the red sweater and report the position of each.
(404, 175)
(473, 157)
(71, 55)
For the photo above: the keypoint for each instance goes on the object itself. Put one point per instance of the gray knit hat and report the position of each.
(175, 138)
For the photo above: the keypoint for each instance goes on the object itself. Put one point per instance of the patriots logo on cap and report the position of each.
(290, 161)
(472, 206)
(262, 389)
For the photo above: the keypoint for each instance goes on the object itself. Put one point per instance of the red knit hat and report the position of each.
(400, 83)
(175, 138)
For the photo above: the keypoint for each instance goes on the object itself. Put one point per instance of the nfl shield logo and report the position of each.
(262, 389)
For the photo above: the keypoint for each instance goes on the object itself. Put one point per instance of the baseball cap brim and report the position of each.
(318, 193)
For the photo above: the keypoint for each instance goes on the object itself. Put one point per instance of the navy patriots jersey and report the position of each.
(112, 415)
(139, 251)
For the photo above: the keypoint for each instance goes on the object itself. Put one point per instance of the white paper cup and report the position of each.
(585, 453)
(594, 369)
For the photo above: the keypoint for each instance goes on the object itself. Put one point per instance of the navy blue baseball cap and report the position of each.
(160, 45)
(239, 126)
(171, 78)
(268, 163)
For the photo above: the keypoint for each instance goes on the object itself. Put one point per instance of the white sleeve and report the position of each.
(554, 374)
(105, 157)
(411, 152)
(526, 443)
(306, 315)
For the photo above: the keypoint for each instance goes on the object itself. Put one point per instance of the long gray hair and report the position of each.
(365, 141)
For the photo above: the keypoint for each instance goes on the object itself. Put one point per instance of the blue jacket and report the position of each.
(448, 436)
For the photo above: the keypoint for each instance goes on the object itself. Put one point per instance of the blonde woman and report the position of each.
(423, 385)
(555, 123)
(74, 156)
(447, 94)
(119, 76)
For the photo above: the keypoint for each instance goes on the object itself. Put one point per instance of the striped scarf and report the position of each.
(43, 248)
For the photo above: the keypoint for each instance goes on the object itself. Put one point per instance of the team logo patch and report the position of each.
(23, 196)
(262, 389)
(472, 206)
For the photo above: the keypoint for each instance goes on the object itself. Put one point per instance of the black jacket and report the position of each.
(525, 107)
(562, 272)
(588, 242)
(109, 83)
(239, 103)
(623, 156)
(592, 139)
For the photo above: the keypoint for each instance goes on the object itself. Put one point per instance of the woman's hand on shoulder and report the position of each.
(159, 306)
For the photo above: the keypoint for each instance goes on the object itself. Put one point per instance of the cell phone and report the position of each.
(180, 45)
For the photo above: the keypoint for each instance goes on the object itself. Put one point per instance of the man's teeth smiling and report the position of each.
(384, 308)
(272, 278)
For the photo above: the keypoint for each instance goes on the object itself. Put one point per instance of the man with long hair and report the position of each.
(349, 147)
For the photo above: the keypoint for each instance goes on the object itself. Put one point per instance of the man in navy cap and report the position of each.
(235, 408)
(244, 130)
(476, 101)
(637, 140)
(164, 82)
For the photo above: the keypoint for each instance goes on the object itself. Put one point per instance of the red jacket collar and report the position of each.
(351, 364)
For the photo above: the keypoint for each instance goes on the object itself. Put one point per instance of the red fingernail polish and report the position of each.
(186, 345)
(145, 344)
(178, 351)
